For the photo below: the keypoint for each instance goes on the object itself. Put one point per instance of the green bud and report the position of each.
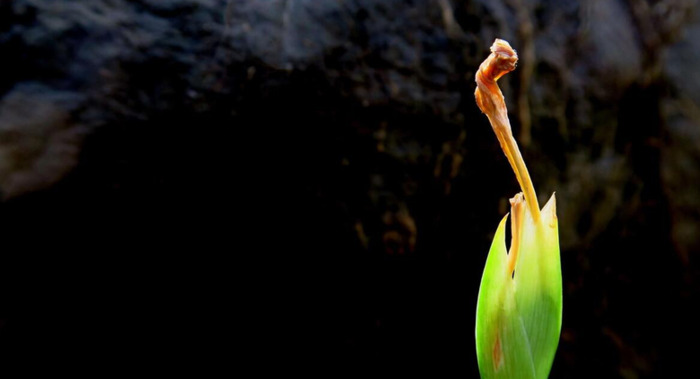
(519, 311)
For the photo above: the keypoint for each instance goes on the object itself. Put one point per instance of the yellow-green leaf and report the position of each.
(519, 313)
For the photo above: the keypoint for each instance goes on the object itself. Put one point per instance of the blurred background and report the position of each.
(308, 186)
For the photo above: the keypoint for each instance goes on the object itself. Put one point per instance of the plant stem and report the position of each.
(489, 98)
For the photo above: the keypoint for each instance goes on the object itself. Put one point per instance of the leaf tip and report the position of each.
(549, 211)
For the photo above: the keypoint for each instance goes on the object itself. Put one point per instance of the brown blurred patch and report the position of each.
(39, 143)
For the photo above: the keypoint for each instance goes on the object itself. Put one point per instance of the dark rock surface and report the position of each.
(150, 149)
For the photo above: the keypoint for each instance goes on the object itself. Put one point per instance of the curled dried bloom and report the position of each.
(489, 98)
(503, 59)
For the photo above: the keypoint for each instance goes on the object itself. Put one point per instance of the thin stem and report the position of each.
(489, 98)
(516, 230)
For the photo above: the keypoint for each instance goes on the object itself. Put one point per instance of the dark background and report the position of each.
(196, 186)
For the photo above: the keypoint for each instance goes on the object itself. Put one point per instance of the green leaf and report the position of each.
(518, 319)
